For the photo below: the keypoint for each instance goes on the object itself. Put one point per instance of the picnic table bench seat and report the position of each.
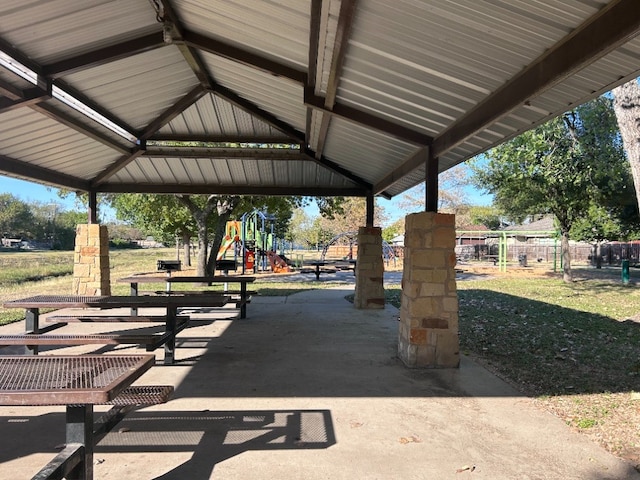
(236, 295)
(112, 318)
(151, 341)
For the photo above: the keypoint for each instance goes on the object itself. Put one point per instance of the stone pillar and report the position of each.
(428, 335)
(369, 269)
(91, 275)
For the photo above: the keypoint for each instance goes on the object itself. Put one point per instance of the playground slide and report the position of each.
(278, 265)
(226, 244)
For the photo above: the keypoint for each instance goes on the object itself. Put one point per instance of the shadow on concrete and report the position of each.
(209, 437)
(214, 436)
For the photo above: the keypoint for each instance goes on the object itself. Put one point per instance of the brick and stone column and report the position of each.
(369, 269)
(428, 335)
(91, 275)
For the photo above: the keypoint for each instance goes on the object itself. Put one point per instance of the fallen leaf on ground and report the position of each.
(466, 468)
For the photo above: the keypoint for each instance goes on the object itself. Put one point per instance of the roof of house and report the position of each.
(153, 95)
(545, 224)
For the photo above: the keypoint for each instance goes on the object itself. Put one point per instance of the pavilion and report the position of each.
(371, 97)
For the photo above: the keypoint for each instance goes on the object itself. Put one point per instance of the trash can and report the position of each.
(522, 260)
(625, 272)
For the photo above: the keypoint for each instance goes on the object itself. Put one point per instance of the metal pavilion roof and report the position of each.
(365, 96)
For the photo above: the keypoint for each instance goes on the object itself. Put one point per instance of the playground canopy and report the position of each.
(154, 95)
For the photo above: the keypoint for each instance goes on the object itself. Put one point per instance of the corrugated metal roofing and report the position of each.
(365, 88)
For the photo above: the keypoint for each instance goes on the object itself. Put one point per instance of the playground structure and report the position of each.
(253, 243)
(345, 247)
(499, 246)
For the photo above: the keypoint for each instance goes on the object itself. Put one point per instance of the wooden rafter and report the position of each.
(343, 32)
(598, 36)
(366, 119)
(27, 170)
(169, 114)
(104, 55)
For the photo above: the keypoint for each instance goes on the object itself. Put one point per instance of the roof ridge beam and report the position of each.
(596, 37)
(247, 153)
(239, 55)
(366, 119)
(220, 139)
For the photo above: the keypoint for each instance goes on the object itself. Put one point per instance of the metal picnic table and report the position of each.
(79, 383)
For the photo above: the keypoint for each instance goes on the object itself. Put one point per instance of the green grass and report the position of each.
(549, 337)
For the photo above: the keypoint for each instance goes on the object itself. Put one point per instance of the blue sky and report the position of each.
(34, 192)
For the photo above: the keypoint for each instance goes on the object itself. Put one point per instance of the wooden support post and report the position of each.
(93, 208)
(370, 209)
(431, 190)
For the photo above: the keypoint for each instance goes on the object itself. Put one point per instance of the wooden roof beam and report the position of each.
(104, 55)
(14, 167)
(599, 35)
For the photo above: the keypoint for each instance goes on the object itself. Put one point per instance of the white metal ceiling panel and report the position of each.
(367, 153)
(275, 29)
(212, 115)
(138, 88)
(37, 140)
(48, 31)
(226, 172)
(280, 96)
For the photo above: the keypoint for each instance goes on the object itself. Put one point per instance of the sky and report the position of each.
(34, 192)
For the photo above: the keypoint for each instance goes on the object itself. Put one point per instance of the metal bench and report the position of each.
(151, 341)
(111, 319)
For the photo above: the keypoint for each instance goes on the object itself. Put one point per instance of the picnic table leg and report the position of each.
(134, 293)
(80, 430)
(170, 344)
(31, 318)
(243, 300)
(317, 272)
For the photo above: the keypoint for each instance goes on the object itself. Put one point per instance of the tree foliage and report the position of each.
(562, 167)
(205, 216)
(451, 194)
(16, 218)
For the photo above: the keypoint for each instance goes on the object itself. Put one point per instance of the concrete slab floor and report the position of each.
(307, 387)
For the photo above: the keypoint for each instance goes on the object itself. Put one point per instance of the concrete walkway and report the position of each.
(307, 387)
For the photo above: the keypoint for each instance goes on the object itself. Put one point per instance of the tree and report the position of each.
(451, 194)
(561, 167)
(161, 216)
(16, 218)
(489, 216)
(626, 104)
(204, 216)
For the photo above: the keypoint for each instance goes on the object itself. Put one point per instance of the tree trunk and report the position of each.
(203, 240)
(626, 104)
(567, 275)
(186, 242)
